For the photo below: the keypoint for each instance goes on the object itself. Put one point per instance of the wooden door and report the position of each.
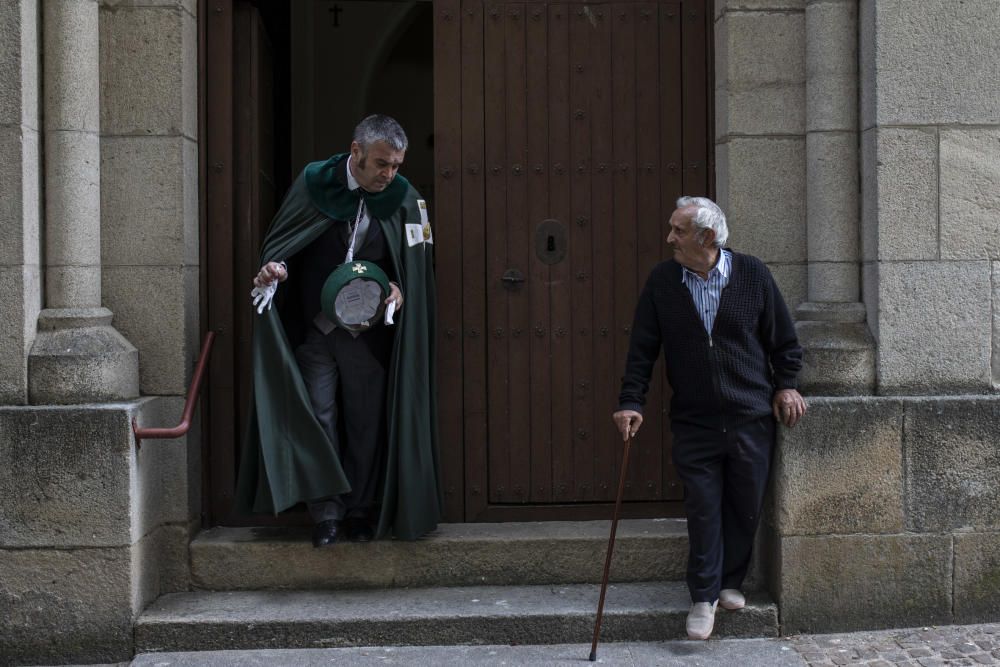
(240, 198)
(571, 129)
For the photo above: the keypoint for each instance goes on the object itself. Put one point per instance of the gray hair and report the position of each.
(380, 128)
(708, 216)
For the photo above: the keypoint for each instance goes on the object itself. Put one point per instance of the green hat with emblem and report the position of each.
(354, 295)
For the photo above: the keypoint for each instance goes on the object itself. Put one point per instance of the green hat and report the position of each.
(354, 295)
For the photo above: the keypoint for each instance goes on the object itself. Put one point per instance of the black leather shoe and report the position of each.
(326, 533)
(359, 530)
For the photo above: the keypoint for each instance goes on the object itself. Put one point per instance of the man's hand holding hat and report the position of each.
(393, 302)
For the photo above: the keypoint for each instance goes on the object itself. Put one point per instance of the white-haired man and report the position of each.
(731, 358)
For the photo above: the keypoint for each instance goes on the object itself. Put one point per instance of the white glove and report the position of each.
(262, 296)
(389, 310)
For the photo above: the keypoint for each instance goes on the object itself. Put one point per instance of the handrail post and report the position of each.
(192, 397)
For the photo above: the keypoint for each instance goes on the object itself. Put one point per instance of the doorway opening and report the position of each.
(352, 58)
(550, 139)
(284, 84)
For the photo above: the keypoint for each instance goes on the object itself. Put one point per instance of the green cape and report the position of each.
(287, 458)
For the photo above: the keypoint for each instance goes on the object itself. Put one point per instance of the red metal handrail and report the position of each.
(192, 397)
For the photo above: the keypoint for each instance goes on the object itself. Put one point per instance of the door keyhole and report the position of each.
(550, 242)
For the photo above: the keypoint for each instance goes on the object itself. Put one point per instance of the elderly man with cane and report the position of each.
(731, 358)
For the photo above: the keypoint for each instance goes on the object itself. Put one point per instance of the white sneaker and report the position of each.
(731, 599)
(701, 620)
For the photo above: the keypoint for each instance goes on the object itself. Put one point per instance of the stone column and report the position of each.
(20, 192)
(839, 350)
(78, 356)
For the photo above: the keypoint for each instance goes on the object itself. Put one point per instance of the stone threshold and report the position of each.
(550, 614)
(467, 554)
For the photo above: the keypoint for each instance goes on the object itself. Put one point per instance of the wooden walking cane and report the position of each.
(611, 548)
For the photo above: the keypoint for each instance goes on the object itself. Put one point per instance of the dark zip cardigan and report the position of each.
(723, 379)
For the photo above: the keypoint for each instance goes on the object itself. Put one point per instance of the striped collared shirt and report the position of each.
(706, 293)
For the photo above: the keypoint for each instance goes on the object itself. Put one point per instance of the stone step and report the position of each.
(770, 652)
(553, 614)
(467, 554)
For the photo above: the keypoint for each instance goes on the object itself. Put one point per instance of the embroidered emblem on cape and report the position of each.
(414, 234)
(425, 223)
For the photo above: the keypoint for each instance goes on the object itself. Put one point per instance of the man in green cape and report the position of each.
(341, 420)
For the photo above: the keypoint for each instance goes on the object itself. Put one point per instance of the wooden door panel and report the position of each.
(624, 131)
(540, 304)
(672, 130)
(652, 448)
(585, 122)
(559, 469)
(607, 363)
(498, 387)
(576, 333)
(254, 201)
(472, 282)
(240, 189)
(221, 400)
(519, 258)
(447, 218)
(694, 72)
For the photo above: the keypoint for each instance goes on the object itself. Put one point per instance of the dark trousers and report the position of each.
(725, 476)
(346, 379)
